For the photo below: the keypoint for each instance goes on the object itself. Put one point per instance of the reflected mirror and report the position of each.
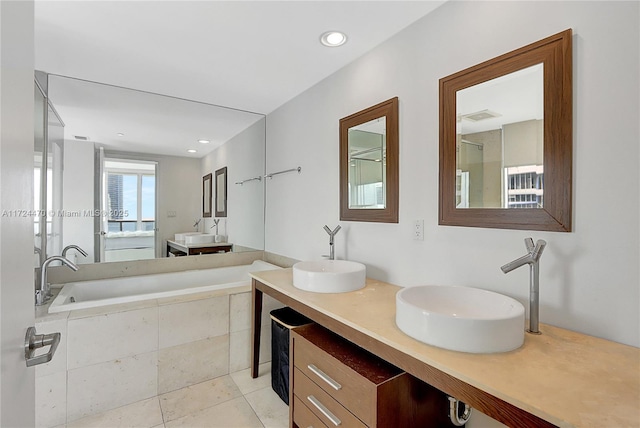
(221, 192)
(206, 196)
(369, 164)
(123, 215)
(506, 138)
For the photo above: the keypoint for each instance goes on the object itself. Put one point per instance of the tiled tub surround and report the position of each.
(121, 354)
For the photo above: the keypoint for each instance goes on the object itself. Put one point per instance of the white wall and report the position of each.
(589, 277)
(77, 196)
(243, 156)
(179, 191)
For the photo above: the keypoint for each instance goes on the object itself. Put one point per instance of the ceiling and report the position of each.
(252, 56)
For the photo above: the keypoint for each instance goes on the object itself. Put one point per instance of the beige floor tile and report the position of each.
(144, 413)
(198, 397)
(246, 384)
(271, 410)
(230, 414)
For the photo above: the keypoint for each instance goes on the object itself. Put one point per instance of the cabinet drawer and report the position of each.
(347, 373)
(303, 417)
(328, 410)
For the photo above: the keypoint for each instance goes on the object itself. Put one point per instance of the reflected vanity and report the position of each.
(369, 164)
(506, 140)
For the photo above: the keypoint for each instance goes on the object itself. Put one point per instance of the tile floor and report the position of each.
(233, 400)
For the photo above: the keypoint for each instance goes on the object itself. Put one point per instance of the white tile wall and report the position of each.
(104, 386)
(191, 363)
(115, 356)
(190, 321)
(240, 312)
(51, 399)
(107, 337)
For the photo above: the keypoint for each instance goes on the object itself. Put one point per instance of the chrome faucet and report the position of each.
(73, 247)
(331, 233)
(44, 293)
(532, 258)
(215, 224)
(196, 223)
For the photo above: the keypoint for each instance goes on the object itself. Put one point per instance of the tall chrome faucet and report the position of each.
(331, 233)
(532, 258)
(73, 247)
(44, 293)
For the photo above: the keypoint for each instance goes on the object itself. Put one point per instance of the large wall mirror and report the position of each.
(506, 140)
(135, 158)
(369, 164)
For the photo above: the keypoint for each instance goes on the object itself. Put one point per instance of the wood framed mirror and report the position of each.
(506, 140)
(221, 192)
(206, 195)
(369, 164)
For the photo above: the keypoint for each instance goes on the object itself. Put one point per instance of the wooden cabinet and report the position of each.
(177, 249)
(336, 383)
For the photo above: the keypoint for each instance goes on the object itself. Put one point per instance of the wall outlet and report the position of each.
(171, 213)
(418, 230)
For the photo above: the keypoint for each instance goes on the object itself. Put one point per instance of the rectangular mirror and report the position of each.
(369, 164)
(206, 196)
(221, 192)
(506, 140)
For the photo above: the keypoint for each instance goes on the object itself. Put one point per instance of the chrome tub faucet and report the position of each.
(73, 247)
(532, 258)
(44, 293)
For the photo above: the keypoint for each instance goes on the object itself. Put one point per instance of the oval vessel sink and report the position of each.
(329, 276)
(461, 318)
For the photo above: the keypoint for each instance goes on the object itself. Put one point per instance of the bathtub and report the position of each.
(102, 292)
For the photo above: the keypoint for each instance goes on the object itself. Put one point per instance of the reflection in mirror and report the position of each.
(499, 142)
(369, 164)
(506, 140)
(206, 195)
(103, 122)
(221, 192)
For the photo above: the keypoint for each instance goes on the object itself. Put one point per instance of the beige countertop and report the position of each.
(566, 378)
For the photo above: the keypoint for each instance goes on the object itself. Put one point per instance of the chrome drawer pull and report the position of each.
(322, 375)
(334, 420)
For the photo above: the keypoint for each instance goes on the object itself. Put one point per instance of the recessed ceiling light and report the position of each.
(204, 141)
(120, 134)
(333, 38)
(192, 151)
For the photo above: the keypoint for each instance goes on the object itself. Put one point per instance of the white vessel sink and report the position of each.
(329, 276)
(461, 318)
(202, 238)
(183, 235)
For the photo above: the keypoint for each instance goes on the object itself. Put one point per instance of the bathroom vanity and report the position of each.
(558, 378)
(180, 248)
(335, 382)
